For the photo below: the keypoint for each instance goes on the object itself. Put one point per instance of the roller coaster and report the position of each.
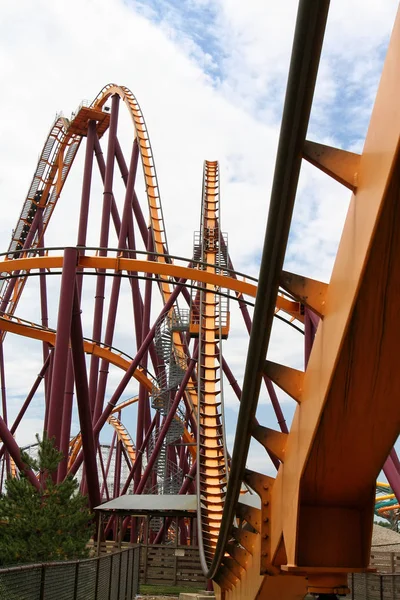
(305, 532)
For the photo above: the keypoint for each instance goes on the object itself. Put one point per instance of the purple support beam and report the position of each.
(165, 427)
(102, 168)
(27, 401)
(86, 183)
(395, 459)
(136, 361)
(12, 447)
(82, 396)
(139, 452)
(48, 390)
(139, 433)
(43, 302)
(135, 202)
(183, 532)
(235, 386)
(392, 476)
(66, 419)
(391, 469)
(146, 327)
(127, 460)
(108, 338)
(2, 476)
(137, 302)
(275, 403)
(83, 216)
(314, 318)
(108, 198)
(112, 445)
(231, 378)
(271, 391)
(310, 329)
(104, 486)
(62, 344)
(109, 174)
(143, 394)
(117, 468)
(4, 403)
(129, 372)
(4, 399)
(130, 195)
(185, 486)
(130, 187)
(112, 313)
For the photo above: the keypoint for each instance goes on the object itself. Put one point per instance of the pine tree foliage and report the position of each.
(49, 524)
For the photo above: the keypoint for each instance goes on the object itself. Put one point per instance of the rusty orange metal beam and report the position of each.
(348, 419)
(144, 266)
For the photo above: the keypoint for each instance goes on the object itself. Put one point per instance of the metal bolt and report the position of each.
(266, 520)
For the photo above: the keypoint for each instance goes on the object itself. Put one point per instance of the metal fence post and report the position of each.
(134, 591)
(42, 582)
(96, 585)
(110, 580)
(76, 580)
(136, 570)
(119, 575)
(127, 574)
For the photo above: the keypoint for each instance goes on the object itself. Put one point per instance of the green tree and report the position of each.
(49, 524)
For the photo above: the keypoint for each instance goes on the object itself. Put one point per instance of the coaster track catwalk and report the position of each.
(258, 536)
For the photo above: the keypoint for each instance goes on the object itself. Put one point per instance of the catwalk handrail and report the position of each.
(306, 51)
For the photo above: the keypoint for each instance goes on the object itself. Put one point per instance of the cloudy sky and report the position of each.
(210, 76)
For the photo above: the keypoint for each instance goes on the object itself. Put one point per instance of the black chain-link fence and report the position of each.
(110, 577)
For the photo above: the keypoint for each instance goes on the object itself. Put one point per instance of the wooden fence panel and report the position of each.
(171, 565)
(386, 562)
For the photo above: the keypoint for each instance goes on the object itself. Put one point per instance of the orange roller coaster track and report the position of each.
(259, 536)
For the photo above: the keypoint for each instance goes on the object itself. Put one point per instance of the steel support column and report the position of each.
(104, 233)
(27, 401)
(14, 451)
(82, 396)
(62, 344)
